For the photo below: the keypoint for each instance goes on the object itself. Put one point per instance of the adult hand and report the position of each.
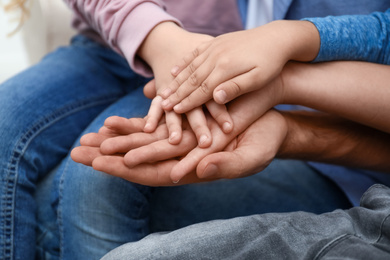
(244, 110)
(246, 154)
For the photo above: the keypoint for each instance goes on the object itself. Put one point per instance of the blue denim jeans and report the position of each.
(43, 110)
(358, 233)
(52, 207)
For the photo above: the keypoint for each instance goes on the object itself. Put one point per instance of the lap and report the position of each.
(339, 234)
(284, 186)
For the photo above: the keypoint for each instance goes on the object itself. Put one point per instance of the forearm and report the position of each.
(358, 91)
(122, 24)
(314, 136)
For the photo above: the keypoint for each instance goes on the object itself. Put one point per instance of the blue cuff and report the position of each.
(354, 37)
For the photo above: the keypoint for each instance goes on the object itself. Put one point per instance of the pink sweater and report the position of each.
(124, 24)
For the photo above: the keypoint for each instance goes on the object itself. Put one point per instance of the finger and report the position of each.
(228, 165)
(160, 150)
(252, 151)
(124, 143)
(187, 59)
(237, 86)
(85, 154)
(150, 89)
(188, 164)
(146, 174)
(184, 70)
(199, 94)
(221, 115)
(124, 126)
(198, 123)
(192, 159)
(186, 82)
(154, 115)
(174, 124)
(93, 139)
(107, 131)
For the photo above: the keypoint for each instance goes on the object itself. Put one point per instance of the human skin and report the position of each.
(160, 52)
(329, 96)
(301, 135)
(238, 62)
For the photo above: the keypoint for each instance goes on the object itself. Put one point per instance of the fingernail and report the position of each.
(174, 70)
(203, 139)
(227, 127)
(175, 182)
(210, 170)
(220, 96)
(165, 103)
(178, 107)
(147, 126)
(173, 136)
(166, 92)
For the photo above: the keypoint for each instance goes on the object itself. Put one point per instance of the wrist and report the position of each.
(157, 43)
(314, 136)
(301, 38)
(293, 82)
(134, 30)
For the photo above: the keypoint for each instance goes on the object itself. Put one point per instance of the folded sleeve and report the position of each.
(123, 24)
(354, 37)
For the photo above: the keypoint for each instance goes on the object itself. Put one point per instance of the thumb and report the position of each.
(150, 89)
(237, 86)
(229, 165)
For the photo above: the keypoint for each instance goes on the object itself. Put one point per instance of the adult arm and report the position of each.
(203, 72)
(365, 84)
(358, 91)
(300, 135)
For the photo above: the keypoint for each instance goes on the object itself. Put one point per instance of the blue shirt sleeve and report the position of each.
(354, 37)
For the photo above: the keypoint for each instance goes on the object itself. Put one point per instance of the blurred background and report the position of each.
(46, 28)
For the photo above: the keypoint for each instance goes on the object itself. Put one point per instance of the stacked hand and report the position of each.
(121, 148)
(225, 142)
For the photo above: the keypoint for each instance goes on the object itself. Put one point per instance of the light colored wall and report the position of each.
(47, 28)
(13, 57)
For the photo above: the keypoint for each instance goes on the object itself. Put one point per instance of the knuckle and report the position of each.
(195, 52)
(192, 67)
(193, 80)
(204, 88)
(235, 88)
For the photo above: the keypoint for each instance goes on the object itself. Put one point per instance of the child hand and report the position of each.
(237, 63)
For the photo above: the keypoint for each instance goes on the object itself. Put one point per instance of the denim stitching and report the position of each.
(331, 244)
(12, 170)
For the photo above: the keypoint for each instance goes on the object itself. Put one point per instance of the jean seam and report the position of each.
(59, 210)
(381, 229)
(11, 176)
(331, 244)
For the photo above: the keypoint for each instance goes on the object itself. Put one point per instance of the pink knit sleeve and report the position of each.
(123, 24)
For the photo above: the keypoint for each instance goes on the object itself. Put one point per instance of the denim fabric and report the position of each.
(358, 233)
(98, 212)
(42, 112)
